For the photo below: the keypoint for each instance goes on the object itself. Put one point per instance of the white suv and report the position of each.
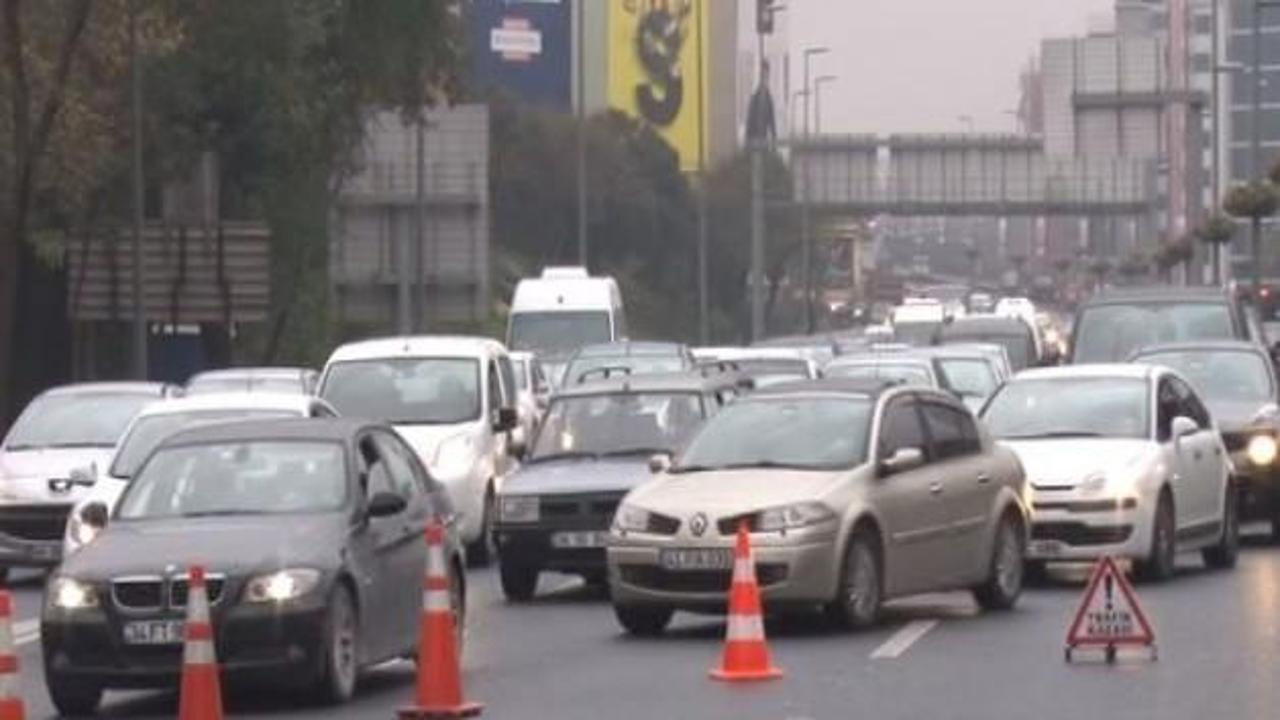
(452, 399)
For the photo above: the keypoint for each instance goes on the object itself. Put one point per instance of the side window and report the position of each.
(508, 381)
(1190, 405)
(951, 431)
(901, 428)
(1168, 405)
(404, 481)
(377, 474)
(322, 410)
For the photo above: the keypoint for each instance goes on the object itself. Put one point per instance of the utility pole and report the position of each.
(817, 101)
(139, 311)
(581, 83)
(704, 301)
(1256, 161)
(1215, 93)
(806, 239)
(419, 217)
(757, 241)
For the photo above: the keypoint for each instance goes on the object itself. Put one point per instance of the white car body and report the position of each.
(469, 458)
(107, 488)
(565, 290)
(532, 392)
(1071, 479)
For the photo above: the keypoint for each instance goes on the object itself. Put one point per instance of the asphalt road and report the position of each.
(564, 657)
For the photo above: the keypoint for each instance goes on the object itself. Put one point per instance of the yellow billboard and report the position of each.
(658, 68)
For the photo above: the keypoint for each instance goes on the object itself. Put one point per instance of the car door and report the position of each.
(408, 562)
(1207, 454)
(1179, 456)
(969, 489)
(393, 555)
(911, 505)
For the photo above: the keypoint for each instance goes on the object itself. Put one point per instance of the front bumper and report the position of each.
(1076, 529)
(285, 642)
(798, 570)
(563, 517)
(32, 535)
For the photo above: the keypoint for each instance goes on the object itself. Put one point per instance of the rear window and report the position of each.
(1113, 333)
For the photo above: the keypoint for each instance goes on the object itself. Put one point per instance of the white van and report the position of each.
(564, 309)
(453, 399)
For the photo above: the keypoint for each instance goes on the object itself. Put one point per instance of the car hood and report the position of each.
(25, 474)
(731, 492)
(233, 545)
(1066, 463)
(579, 475)
(426, 439)
(1235, 415)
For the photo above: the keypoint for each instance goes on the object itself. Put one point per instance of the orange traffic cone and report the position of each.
(439, 692)
(201, 697)
(11, 707)
(746, 654)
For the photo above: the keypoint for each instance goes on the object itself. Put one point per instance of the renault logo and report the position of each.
(698, 524)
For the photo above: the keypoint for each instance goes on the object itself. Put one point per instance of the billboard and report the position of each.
(523, 48)
(658, 68)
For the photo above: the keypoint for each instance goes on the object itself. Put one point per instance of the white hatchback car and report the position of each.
(160, 420)
(453, 399)
(1123, 460)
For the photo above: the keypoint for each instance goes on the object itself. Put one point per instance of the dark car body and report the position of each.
(1240, 421)
(137, 569)
(1017, 338)
(1114, 324)
(625, 356)
(578, 495)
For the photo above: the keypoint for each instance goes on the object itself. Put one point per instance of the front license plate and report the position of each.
(697, 559)
(1047, 548)
(579, 540)
(153, 632)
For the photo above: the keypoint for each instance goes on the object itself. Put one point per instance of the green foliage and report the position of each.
(1251, 200)
(1218, 229)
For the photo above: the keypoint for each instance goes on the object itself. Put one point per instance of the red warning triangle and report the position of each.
(1110, 614)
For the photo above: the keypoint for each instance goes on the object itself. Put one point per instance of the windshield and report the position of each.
(918, 334)
(1112, 333)
(406, 391)
(242, 383)
(75, 420)
(149, 431)
(243, 478)
(1016, 347)
(550, 332)
(802, 433)
(618, 424)
(1227, 375)
(904, 373)
(969, 378)
(1070, 407)
(595, 367)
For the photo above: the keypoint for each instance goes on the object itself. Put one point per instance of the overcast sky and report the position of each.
(917, 65)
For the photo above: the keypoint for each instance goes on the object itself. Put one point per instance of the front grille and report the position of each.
(662, 525)
(653, 577)
(152, 593)
(35, 523)
(601, 506)
(1088, 506)
(1079, 534)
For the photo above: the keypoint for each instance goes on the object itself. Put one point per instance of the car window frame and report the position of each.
(967, 418)
(912, 400)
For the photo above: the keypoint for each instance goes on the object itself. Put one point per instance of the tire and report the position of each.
(483, 550)
(340, 667)
(644, 620)
(519, 582)
(1223, 556)
(73, 697)
(1159, 564)
(860, 591)
(1008, 558)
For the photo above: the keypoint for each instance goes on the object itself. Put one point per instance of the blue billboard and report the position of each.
(523, 48)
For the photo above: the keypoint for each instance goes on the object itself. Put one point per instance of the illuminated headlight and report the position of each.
(282, 586)
(793, 516)
(632, 519)
(71, 594)
(454, 456)
(519, 509)
(1262, 450)
(79, 532)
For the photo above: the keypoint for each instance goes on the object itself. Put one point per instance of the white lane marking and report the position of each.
(902, 640)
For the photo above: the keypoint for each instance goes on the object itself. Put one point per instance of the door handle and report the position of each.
(935, 489)
(984, 479)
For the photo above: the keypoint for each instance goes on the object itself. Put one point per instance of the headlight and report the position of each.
(282, 586)
(518, 509)
(793, 516)
(454, 456)
(1262, 450)
(71, 594)
(632, 519)
(79, 532)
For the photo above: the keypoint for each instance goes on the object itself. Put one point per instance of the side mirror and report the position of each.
(505, 420)
(95, 514)
(385, 504)
(1184, 426)
(659, 463)
(908, 458)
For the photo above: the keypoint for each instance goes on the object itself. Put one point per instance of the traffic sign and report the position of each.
(1109, 616)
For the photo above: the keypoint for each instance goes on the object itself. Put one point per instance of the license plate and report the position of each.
(153, 632)
(697, 559)
(579, 540)
(1048, 548)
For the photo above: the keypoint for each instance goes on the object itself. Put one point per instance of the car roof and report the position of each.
(1100, 370)
(732, 354)
(1159, 293)
(425, 346)
(894, 357)
(286, 429)
(654, 383)
(1204, 346)
(231, 401)
(995, 324)
(251, 372)
(110, 388)
(628, 348)
(871, 388)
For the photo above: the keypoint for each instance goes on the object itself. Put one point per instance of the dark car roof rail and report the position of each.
(603, 373)
(726, 367)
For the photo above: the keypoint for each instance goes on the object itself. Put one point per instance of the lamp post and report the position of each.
(1221, 265)
(1256, 140)
(817, 100)
(580, 80)
(806, 242)
(139, 311)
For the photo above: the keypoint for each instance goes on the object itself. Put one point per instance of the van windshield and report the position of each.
(565, 331)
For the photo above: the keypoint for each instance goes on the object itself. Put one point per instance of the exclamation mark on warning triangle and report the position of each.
(1109, 583)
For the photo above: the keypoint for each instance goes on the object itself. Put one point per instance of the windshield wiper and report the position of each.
(579, 455)
(753, 465)
(228, 512)
(635, 451)
(81, 444)
(1057, 435)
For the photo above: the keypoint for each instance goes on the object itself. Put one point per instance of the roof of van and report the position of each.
(564, 289)
(417, 346)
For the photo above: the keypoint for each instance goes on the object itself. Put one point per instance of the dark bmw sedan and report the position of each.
(311, 533)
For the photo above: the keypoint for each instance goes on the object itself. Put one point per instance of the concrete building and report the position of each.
(1242, 164)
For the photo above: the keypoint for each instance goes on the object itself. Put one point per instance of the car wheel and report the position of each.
(644, 620)
(341, 664)
(519, 582)
(1159, 564)
(1224, 554)
(73, 697)
(1008, 555)
(481, 552)
(857, 604)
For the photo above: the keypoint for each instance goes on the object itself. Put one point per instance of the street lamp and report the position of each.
(817, 101)
(806, 243)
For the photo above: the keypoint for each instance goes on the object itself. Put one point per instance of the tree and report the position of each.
(1101, 269)
(1216, 232)
(1255, 200)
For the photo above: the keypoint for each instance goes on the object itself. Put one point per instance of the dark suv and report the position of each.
(1114, 324)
